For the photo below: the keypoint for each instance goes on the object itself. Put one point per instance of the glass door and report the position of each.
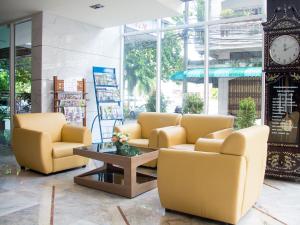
(4, 85)
(15, 74)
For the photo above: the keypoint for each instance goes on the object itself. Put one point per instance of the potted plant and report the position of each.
(151, 103)
(3, 116)
(193, 104)
(247, 113)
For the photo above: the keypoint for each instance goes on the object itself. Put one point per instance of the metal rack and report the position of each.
(58, 88)
(107, 97)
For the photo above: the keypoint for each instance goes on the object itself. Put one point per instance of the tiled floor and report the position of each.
(28, 198)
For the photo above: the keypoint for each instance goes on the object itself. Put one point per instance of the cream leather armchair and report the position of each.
(195, 126)
(144, 133)
(221, 185)
(44, 142)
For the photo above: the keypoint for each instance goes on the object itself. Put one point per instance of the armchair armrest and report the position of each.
(33, 149)
(209, 145)
(76, 134)
(134, 130)
(185, 185)
(170, 136)
(154, 137)
(220, 134)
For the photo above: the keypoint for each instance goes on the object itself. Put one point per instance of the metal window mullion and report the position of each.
(263, 81)
(12, 55)
(206, 58)
(158, 66)
(121, 76)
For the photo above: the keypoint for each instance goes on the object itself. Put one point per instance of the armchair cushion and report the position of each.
(185, 147)
(75, 134)
(64, 149)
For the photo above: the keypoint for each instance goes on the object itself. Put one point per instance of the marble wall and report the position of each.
(69, 49)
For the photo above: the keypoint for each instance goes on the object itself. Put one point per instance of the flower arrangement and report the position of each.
(120, 140)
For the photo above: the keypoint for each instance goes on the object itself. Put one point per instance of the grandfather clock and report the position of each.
(282, 79)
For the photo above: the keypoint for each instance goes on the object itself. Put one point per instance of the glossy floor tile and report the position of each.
(29, 198)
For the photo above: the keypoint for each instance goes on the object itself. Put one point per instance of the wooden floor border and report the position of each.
(269, 185)
(123, 215)
(52, 206)
(269, 215)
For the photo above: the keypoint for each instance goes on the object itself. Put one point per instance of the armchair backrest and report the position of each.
(153, 120)
(250, 143)
(198, 126)
(51, 123)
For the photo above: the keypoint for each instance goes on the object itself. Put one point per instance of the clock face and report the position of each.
(284, 49)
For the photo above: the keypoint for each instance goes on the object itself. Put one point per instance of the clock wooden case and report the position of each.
(282, 80)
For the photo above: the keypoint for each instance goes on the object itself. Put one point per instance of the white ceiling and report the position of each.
(115, 12)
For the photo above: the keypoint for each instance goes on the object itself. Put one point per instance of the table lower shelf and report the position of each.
(115, 180)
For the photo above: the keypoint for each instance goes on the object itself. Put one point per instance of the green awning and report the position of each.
(229, 72)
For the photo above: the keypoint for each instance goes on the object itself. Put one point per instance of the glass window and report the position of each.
(235, 66)
(139, 74)
(23, 68)
(172, 65)
(180, 84)
(4, 85)
(193, 98)
(196, 11)
(222, 9)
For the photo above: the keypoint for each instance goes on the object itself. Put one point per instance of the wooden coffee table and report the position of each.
(119, 173)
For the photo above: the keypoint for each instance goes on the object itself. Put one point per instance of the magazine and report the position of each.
(105, 79)
(108, 94)
(111, 112)
(74, 114)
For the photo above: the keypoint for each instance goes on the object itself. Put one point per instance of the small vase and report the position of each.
(119, 149)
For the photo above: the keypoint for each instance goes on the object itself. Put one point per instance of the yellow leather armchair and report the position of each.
(44, 142)
(195, 126)
(220, 185)
(144, 133)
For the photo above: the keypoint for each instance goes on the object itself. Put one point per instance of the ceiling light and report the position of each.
(97, 6)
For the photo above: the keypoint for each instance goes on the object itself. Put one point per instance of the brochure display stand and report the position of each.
(70, 99)
(108, 101)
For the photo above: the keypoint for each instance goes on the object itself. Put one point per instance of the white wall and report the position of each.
(69, 49)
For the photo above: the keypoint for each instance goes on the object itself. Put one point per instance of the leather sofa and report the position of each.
(144, 133)
(221, 185)
(44, 142)
(192, 128)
